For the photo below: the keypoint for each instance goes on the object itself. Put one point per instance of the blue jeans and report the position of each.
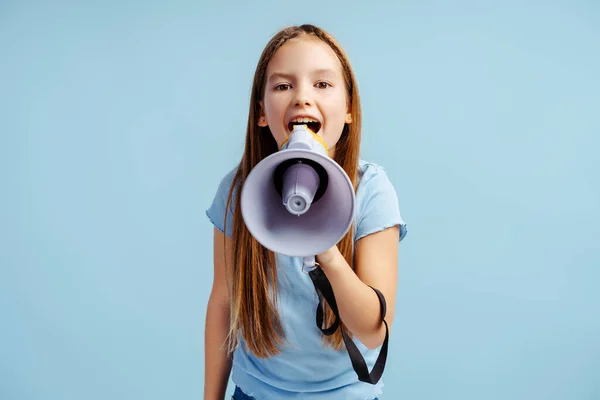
(239, 395)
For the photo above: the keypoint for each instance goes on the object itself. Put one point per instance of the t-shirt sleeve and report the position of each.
(216, 211)
(380, 209)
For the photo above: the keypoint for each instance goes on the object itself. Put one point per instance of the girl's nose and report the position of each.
(302, 98)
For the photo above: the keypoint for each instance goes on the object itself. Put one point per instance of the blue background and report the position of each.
(119, 119)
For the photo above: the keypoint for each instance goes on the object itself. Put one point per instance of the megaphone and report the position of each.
(298, 201)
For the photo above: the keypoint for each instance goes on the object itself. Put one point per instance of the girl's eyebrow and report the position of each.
(275, 75)
(283, 75)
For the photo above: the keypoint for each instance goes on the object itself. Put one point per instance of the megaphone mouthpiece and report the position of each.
(302, 138)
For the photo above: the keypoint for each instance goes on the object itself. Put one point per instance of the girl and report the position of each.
(262, 305)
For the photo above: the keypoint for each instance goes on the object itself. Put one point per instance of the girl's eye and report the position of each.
(282, 86)
(323, 85)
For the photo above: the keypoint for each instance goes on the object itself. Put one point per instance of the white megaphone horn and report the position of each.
(298, 202)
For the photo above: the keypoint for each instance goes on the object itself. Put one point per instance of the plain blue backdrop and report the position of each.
(118, 120)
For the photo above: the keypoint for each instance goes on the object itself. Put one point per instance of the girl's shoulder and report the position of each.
(377, 201)
(216, 210)
(369, 173)
(227, 180)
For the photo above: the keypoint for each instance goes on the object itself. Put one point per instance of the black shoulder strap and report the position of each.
(323, 287)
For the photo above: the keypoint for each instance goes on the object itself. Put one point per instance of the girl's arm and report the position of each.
(217, 364)
(377, 266)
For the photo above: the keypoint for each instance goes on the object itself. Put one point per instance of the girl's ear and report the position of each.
(348, 112)
(262, 119)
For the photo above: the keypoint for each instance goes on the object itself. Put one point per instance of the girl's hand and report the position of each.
(328, 256)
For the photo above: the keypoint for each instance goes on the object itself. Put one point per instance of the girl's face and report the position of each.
(305, 83)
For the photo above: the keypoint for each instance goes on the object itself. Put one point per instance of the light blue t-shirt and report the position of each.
(305, 368)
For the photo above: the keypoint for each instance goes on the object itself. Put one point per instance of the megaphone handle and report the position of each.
(323, 286)
(309, 264)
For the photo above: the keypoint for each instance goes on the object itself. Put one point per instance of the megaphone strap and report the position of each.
(323, 286)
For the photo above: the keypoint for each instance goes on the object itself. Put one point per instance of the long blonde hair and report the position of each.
(253, 271)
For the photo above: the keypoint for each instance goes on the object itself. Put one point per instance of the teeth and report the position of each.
(304, 120)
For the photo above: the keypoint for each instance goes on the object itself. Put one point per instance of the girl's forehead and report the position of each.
(303, 55)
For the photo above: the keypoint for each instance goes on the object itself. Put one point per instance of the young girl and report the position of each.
(260, 321)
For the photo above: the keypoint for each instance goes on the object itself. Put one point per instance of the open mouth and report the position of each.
(311, 124)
